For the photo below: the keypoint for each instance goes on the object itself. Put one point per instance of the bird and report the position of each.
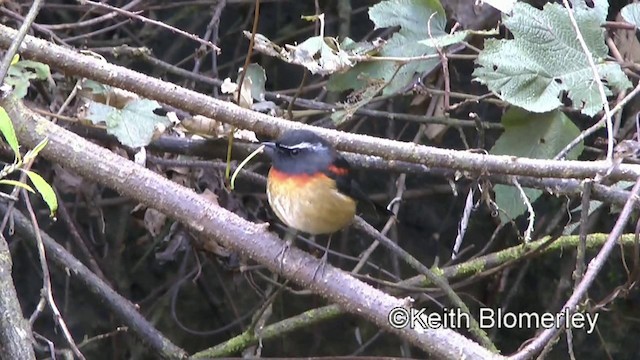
(310, 187)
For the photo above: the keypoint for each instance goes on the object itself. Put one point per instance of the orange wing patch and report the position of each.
(340, 171)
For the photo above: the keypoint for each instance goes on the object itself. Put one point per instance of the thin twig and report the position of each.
(436, 279)
(582, 245)
(47, 291)
(445, 66)
(596, 78)
(597, 125)
(592, 271)
(17, 41)
(532, 214)
(151, 21)
(91, 22)
(247, 60)
(463, 223)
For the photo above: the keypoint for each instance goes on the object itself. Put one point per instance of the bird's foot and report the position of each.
(323, 263)
(280, 258)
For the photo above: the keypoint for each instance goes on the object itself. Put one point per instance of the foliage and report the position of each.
(545, 59)
(133, 125)
(631, 13)
(22, 72)
(6, 127)
(418, 20)
(44, 189)
(531, 135)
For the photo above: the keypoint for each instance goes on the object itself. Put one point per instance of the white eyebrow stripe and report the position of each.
(304, 145)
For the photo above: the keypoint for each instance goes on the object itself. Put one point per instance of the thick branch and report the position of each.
(76, 64)
(251, 240)
(490, 262)
(15, 332)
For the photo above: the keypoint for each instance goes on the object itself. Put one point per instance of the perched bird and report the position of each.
(309, 186)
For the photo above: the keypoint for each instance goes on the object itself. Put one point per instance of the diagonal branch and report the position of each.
(589, 277)
(213, 222)
(77, 64)
(15, 331)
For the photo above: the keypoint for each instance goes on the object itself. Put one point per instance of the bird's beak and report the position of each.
(269, 147)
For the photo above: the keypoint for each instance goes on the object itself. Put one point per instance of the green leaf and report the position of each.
(96, 87)
(412, 17)
(258, 78)
(360, 48)
(631, 14)
(22, 72)
(36, 150)
(133, 125)
(356, 100)
(6, 127)
(18, 184)
(42, 71)
(531, 135)
(545, 58)
(45, 190)
(15, 59)
(458, 36)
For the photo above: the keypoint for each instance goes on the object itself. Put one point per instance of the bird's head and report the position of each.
(299, 152)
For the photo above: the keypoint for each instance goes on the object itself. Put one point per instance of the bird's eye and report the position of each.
(295, 152)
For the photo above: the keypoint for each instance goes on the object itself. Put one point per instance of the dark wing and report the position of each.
(340, 171)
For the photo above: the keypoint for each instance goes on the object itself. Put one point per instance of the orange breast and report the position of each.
(309, 203)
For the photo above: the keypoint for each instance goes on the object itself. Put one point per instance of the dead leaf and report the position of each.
(154, 221)
(627, 42)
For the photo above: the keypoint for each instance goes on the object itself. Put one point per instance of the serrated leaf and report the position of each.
(545, 58)
(18, 184)
(258, 78)
(9, 133)
(631, 14)
(45, 190)
(133, 125)
(531, 135)
(412, 17)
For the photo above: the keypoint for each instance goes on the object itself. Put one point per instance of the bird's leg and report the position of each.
(323, 259)
(289, 237)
